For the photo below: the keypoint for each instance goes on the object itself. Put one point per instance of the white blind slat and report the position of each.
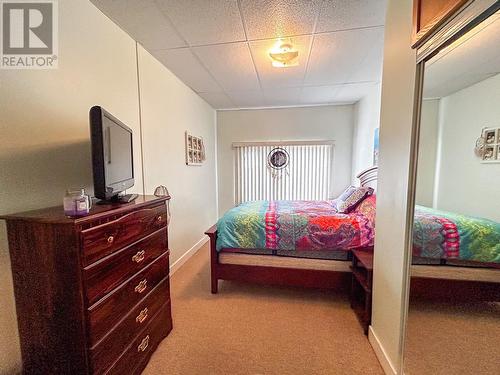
(308, 175)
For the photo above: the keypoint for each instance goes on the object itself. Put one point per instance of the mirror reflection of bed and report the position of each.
(453, 323)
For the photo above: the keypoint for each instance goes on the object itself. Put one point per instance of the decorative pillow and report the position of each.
(347, 193)
(351, 197)
(367, 207)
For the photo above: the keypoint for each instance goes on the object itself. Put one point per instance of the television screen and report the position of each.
(117, 152)
(112, 154)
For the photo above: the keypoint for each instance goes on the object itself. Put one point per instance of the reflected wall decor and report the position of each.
(490, 145)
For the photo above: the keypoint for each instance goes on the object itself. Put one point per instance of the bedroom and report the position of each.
(195, 84)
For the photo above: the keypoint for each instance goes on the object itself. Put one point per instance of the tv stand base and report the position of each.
(127, 198)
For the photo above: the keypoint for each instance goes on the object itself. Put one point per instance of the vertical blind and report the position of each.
(307, 177)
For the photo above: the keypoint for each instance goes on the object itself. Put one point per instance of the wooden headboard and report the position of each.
(368, 177)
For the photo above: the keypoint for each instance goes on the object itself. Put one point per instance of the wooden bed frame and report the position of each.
(440, 282)
(276, 270)
(281, 270)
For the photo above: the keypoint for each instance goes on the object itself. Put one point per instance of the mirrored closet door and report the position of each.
(453, 324)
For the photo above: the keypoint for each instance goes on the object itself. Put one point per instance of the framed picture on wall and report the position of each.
(489, 136)
(491, 139)
(195, 150)
(489, 154)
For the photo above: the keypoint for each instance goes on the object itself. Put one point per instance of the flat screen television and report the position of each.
(112, 155)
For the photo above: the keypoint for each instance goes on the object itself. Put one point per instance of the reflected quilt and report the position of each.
(296, 225)
(445, 235)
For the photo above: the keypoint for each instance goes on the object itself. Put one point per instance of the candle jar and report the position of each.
(76, 203)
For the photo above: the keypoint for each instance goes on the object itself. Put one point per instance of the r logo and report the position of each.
(27, 28)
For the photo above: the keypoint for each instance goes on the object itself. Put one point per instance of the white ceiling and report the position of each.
(472, 58)
(220, 47)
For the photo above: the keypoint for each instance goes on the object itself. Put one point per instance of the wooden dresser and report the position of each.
(92, 294)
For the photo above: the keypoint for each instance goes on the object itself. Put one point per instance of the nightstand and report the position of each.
(361, 287)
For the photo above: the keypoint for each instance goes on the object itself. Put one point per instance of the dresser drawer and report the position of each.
(135, 358)
(102, 240)
(109, 349)
(103, 315)
(105, 275)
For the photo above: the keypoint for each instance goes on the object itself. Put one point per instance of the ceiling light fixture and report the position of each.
(284, 55)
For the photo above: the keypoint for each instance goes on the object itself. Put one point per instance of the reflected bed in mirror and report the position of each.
(453, 323)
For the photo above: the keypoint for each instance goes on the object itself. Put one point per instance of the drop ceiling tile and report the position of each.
(348, 14)
(451, 86)
(247, 99)
(187, 67)
(218, 100)
(318, 94)
(230, 64)
(205, 22)
(370, 68)
(336, 57)
(280, 77)
(277, 18)
(282, 96)
(352, 92)
(143, 21)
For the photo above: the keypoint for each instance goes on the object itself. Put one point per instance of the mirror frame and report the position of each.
(462, 21)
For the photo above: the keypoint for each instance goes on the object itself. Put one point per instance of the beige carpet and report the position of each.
(453, 338)
(251, 329)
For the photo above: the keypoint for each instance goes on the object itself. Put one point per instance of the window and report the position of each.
(283, 170)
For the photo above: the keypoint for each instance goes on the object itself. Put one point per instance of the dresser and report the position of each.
(92, 293)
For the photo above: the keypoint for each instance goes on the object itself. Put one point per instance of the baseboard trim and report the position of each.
(382, 357)
(188, 254)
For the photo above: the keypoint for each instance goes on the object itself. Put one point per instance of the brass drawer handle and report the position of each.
(143, 315)
(139, 256)
(144, 344)
(111, 239)
(141, 287)
(159, 219)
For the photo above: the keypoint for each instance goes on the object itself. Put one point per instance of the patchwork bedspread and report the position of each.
(445, 235)
(296, 225)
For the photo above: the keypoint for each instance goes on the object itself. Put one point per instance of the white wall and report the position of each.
(427, 152)
(44, 135)
(367, 119)
(284, 124)
(44, 129)
(168, 109)
(464, 184)
(398, 80)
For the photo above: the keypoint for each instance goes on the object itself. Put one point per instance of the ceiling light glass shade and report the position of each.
(284, 55)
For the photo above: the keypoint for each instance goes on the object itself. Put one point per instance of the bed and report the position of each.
(455, 256)
(245, 247)
(447, 246)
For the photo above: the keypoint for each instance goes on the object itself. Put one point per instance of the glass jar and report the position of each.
(76, 203)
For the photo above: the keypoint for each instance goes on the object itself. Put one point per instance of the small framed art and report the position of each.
(195, 150)
(491, 145)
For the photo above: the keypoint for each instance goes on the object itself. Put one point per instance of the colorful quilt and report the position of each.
(445, 235)
(296, 225)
